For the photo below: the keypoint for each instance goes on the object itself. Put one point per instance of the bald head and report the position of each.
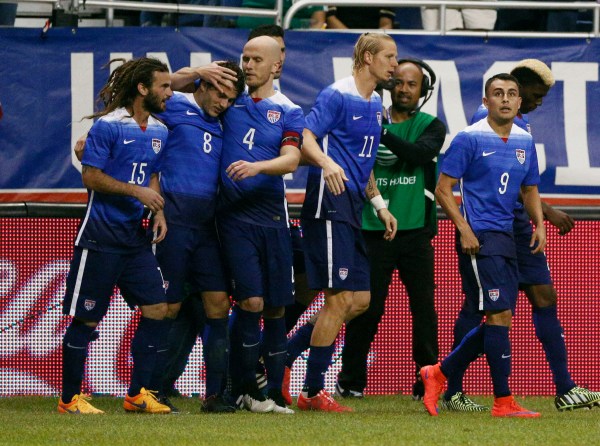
(261, 61)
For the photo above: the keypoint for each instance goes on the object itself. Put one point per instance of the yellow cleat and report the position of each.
(79, 405)
(145, 402)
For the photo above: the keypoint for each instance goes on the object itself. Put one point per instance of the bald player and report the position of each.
(262, 139)
(535, 79)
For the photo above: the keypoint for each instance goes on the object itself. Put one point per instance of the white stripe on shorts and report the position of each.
(80, 271)
(476, 271)
(329, 253)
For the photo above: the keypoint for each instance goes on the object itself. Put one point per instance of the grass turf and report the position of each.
(380, 420)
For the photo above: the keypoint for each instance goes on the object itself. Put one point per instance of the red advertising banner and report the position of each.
(34, 261)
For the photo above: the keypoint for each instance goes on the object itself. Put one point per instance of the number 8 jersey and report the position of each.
(254, 131)
(118, 146)
(347, 128)
(491, 173)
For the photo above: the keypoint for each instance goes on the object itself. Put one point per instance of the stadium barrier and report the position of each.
(36, 244)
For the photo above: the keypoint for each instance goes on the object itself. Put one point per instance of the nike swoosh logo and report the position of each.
(354, 118)
(125, 141)
(252, 345)
(239, 105)
(189, 113)
(77, 348)
(488, 153)
(141, 406)
(505, 356)
(277, 353)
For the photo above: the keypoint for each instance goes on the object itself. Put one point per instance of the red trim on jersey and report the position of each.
(505, 139)
(256, 100)
(144, 127)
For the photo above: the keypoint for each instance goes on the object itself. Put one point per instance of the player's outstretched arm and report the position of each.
(95, 179)
(561, 220)
(443, 193)
(159, 222)
(212, 73)
(312, 154)
(533, 206)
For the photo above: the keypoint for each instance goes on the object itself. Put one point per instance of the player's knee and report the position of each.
(541, 296)
(503, 318)
(216, 306)
(252, 304)
(156, 311)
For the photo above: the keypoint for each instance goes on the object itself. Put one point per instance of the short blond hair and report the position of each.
(528, 67)
(367, 42)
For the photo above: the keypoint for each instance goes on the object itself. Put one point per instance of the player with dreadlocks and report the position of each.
(123, 149)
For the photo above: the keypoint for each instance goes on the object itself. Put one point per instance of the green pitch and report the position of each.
(378, 420)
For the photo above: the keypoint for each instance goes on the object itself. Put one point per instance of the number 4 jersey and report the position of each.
(254, 131)
(118, 146)
(347, 128)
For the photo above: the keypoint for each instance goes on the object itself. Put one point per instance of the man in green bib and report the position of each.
(406, 175)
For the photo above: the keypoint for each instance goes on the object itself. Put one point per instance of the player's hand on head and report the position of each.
(335, 177)
(561, 220)
(79, 148)
(216, 75)
(240, 170)
(150, 198)
(159, 227)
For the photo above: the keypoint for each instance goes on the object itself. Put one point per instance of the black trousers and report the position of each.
(411, 253)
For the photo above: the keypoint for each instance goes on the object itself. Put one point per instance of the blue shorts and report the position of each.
(533, 268)
(192, 255)
(490, 278)
(335, 256)
(259, 259)
(93, 276)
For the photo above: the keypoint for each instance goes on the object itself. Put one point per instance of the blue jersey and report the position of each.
(121, 149)
(189, 168)
(348, 128)
(491, 173)
(254, 132)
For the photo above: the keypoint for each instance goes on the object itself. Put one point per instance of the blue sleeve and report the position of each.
(294, 121)
(533, 174)
(98, 144)
(459, 156)
(325, 113)
(480, 114)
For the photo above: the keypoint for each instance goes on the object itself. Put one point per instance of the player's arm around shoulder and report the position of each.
(533, 206)
(443, 193)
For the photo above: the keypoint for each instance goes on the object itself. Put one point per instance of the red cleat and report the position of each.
(506, 406)
(285, 386)
(323, 402)
(433, 381)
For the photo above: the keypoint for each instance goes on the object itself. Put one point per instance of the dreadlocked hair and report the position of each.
(121, 89)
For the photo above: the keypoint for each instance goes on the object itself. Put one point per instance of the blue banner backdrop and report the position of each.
(48, 84)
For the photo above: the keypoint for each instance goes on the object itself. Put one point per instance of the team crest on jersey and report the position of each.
(379, 118)
(494, 294)
(520, 155)
(156, 145)
(273, 116)
(89, 304)
(343, 272)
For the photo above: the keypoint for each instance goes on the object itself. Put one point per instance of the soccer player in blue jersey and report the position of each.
(340, 142)
(191, 251)
(494, 161)
(119, 170)
(535, 79)
(262, 138)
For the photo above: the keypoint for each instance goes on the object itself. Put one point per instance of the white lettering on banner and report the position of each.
(575, 77)
(82, 99)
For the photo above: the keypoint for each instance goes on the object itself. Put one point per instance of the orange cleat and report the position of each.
(79, 405)
(433, 381)
(145, 402)
(506, 406)
(285, 386)
(323, 402)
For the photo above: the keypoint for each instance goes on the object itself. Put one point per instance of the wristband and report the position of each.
(378, 203)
